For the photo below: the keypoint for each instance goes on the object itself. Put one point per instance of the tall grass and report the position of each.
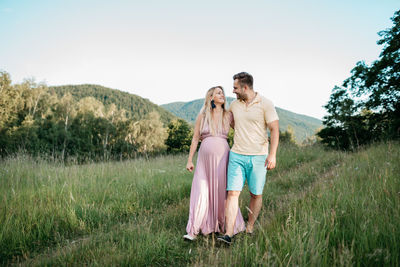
(342, 209)
(45, 205)
(320, 208)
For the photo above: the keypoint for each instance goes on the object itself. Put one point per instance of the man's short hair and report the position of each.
(244, 79)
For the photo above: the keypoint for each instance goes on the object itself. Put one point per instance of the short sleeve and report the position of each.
(231, 106)
(270, 113)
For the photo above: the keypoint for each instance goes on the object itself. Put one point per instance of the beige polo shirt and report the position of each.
(251, 122)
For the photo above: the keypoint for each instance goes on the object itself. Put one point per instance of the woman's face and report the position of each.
(219, 97)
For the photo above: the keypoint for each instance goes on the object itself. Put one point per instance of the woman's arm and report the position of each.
(232, 120)
(195, 142)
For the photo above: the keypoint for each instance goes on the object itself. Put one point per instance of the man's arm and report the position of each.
(270, 162)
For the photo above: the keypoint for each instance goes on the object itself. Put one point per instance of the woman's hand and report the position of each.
(190, 166)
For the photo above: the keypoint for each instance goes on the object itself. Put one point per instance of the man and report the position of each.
(249, 158)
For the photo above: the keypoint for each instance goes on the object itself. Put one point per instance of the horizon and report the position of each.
(175, 51)
(178, 101)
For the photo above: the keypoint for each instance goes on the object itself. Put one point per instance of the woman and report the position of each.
(208, 194)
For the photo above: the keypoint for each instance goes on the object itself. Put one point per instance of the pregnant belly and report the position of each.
(214, 146)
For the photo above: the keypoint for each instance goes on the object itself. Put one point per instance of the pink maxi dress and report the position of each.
(208, 193)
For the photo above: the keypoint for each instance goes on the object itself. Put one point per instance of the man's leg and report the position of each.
(256, 183)
(234, 185)
(255, 207)
(231, 210)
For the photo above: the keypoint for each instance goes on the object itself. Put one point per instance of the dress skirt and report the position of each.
(208, 193)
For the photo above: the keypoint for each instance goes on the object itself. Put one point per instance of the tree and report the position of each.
(64, 113)
(148, 135)
(367, 106)
(10, 104)
(22, 106)
(380, 82)
(116, 119)
(231, 135)
(40, 122)
(179, 136)
(287, 136)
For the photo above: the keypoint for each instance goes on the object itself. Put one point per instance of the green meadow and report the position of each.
(320, 208)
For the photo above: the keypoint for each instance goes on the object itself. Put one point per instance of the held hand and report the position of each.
(270, 162)
(190, 166)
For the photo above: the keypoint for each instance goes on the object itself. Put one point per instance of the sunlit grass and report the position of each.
(320, 208)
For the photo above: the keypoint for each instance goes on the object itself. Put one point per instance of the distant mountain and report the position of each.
(302, 125)
(137, 107)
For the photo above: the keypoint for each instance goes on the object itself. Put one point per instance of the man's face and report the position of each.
(238, 90)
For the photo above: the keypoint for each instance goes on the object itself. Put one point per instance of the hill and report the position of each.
(302, 125)
(137, 107)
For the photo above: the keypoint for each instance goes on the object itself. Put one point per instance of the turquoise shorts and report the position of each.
(246, 167)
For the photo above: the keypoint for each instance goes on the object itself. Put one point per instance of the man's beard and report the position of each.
(241, 97)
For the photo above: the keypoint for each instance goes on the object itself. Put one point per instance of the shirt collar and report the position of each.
(256, 99)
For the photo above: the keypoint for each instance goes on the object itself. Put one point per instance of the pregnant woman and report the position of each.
(208, 194)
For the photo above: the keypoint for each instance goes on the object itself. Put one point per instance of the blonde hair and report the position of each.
(206, 112)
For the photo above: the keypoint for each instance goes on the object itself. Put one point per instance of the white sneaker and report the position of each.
(189, 237)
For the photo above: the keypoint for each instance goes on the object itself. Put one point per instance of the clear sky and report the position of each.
(170, 51)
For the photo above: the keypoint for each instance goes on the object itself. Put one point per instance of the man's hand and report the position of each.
(270, 162)
(190, 166)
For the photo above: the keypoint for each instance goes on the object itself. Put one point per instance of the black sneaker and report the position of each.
(225, 238)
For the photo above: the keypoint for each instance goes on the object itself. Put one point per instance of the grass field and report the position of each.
(319, 208)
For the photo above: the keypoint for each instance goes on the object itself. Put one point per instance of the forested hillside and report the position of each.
(78, 123)
(302, 126)
(136, 107)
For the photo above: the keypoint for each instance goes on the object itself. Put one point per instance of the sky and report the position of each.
(168, 51)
